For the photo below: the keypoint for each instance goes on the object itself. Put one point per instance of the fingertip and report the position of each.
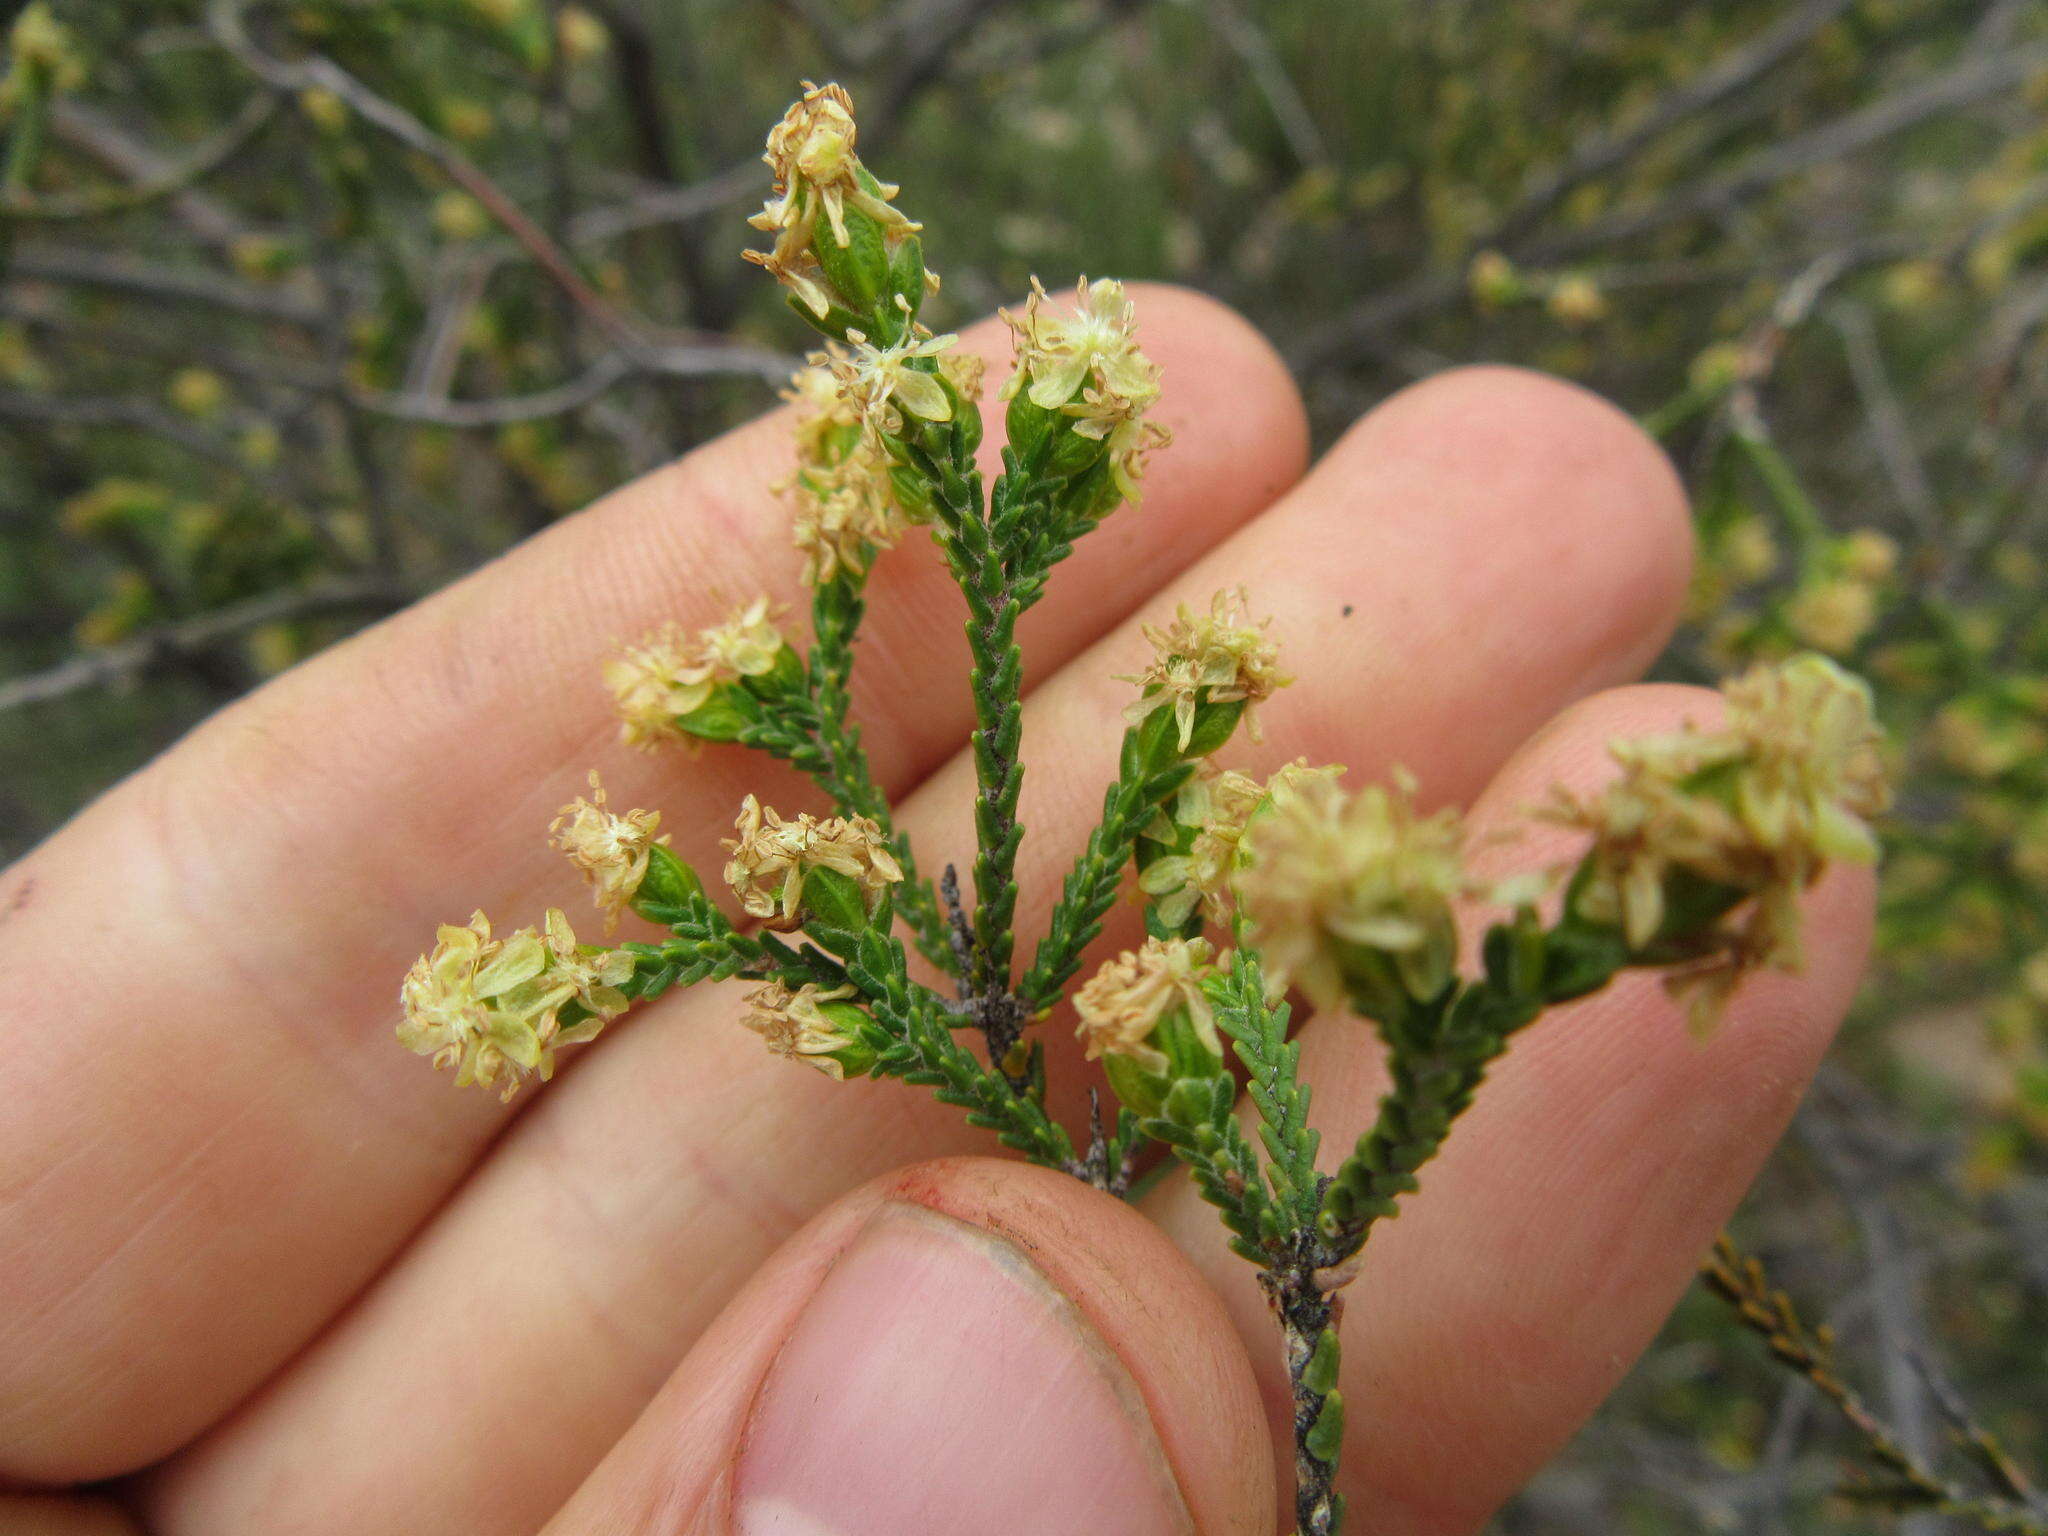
(1220, 372)
(1151, 1306)
(963, 1345)
(1591, 505)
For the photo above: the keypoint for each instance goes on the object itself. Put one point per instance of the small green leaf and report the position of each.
(1320, 1374)
(1325, 1437)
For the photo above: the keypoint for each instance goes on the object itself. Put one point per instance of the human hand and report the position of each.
(276, 1277)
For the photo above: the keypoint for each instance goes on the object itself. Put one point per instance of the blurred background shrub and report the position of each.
(307, 307)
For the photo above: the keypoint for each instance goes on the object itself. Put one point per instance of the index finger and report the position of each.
(213, 1139)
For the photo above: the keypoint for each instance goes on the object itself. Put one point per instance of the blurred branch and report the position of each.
(316, 72)
(1911, 1484)
(925, 32)
(1959, 86)
(667, 205)
(196, 636)
(611, 369)
(165, 178)
(1249, 42)
(1733, 72)
(431, 370)
(1953, 88)
(151, 279)
(1898, 1336)
(1888, 429)
(846, 48)
(111, 411)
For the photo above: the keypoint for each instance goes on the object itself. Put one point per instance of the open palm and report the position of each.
(269, 1275)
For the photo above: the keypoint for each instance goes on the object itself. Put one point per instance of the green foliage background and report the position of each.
(271, 363)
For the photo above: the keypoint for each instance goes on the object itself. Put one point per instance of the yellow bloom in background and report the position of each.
(1218, 657)
(1868, 555)
(1124, 1001)
(667, 675)
(1833, 614)
(611, 851)
(1576, 300)
(771, 857)
(1351, 897)
(1492, 279)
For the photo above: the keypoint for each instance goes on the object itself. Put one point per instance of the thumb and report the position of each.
(966, 1346)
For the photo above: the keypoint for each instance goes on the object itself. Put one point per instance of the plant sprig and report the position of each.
(1696, 859)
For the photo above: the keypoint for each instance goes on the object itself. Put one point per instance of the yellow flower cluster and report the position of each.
(1088, 366)
(818, 176)
(610, 851)
(1353, 897)
(771, 857)
(491, 1008)
(1218, 657)
(668, 674)
(1757, 805)
(1124, 1001)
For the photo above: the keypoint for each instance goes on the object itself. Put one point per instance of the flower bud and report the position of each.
(1199, 838)
(1701, 822)
(1080, 391)
(614, 853)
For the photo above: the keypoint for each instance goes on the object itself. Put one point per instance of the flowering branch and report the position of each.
(1697, 856)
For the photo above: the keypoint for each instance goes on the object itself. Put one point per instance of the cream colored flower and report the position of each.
(667, 675)
(1353, 897)
(1219, 657)
(491, 1008)
(1124, 1001)
(843, 511)
(1098, 342)
(880, 383)
(825, 418)
(966, 372)
(1758, 805)
(1118, 423)
(1220, 807)
(610, 850)
(843, 502)
(818, 174)
(771, 857)
(794, 1024)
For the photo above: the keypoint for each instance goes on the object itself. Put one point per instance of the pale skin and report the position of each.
(270, 1273)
